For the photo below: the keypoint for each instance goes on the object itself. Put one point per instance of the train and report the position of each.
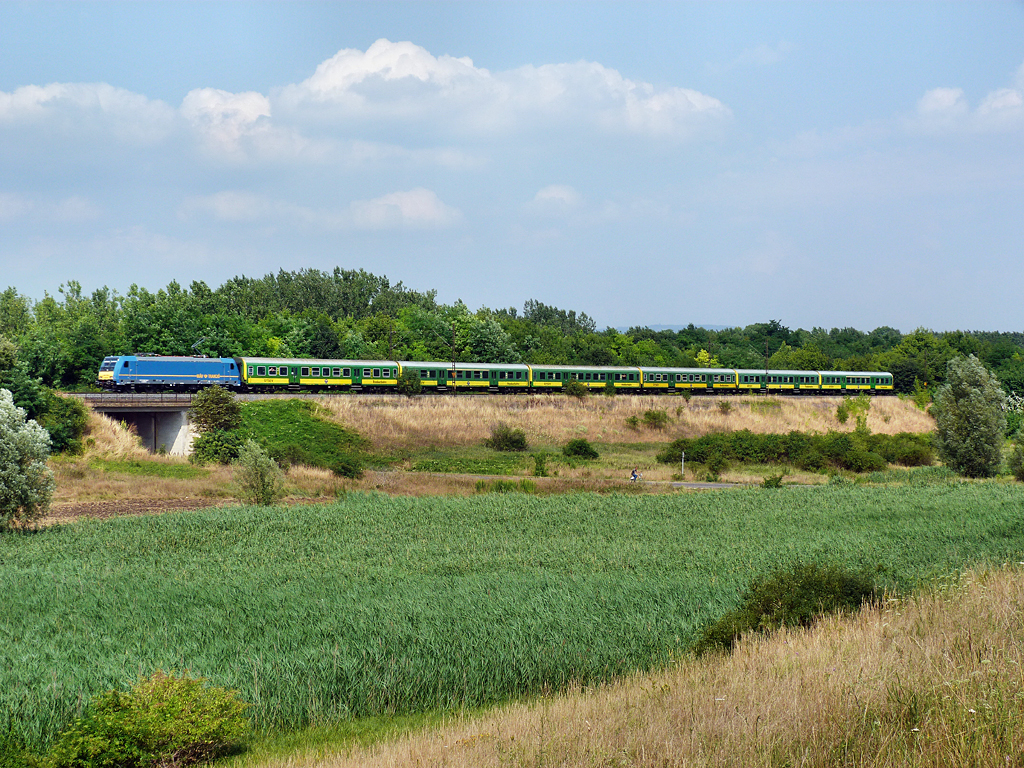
(152, 373)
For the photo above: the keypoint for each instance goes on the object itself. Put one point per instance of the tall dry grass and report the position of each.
(933, 681)
(429, 421)
(108, 438)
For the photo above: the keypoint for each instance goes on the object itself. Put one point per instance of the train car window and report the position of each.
(316, 372)
(261, 371)
(304, 371)
(376, 373)
(346, 372)
(271, 371)
(250, 369)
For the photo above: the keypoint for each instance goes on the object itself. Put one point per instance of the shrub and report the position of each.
(164, 720)
(65, 420)
(793, 597)
(291, 453)
(215, 408)
(843, 411)
(409, 383)
(633, 422)
(26, 483)
(969, 418)
(581, 448)
(724, 407)
(347, 466)
(260, 481)
(1016, 460)
(773, 481)
(575, 389)
(540, 464)
(858, 460)
(656, 419)
(219, 446)
(505, 438)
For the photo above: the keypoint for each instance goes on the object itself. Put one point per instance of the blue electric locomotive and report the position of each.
(145, 372)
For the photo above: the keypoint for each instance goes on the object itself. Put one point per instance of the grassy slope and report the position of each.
(373, 605)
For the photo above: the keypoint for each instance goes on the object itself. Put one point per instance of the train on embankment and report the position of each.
(157, 373)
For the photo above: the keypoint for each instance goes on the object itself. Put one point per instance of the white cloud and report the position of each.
(417, 208)
(947, 110)
(404, 83)
(224, 118)
(75, 106)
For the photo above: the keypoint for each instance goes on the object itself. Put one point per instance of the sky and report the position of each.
(826, 164)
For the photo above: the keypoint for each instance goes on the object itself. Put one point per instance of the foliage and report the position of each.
(576, 390)
(505, 438)
(379, 605)
(724, 407)
(773, 481)
(217, 446)
(506, 486)
(792, 597)
(65, 419)
(163, 720)
(26, 483)
(409, 383)
(147, 468)
(347, 465)
(633, 422)
(1016, 460)
(970, 422)
(215, 408)
(656, 419)
(259, 479)
(922, 396)
(838, 450)
(540, 464)
(580, 448)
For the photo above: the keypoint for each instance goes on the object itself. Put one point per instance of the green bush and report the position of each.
(259, 479)
(656, 419)
(540, 464)
(724, 407)
(505, 438)
(347, 466)
(576, 390)
(291, 453)
(164, 720)
(793, 597)
(409, 383)
(580, 448)
(773, 481)
(215, 408)
(218, 446)
(1016, 460)
(633, 422)
(843, 412)
(969, 419)
(65, 420)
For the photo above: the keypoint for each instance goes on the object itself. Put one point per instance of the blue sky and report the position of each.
(826, 164)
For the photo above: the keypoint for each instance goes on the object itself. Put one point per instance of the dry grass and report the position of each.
(107, 438)
(936, 681)
(433, 421)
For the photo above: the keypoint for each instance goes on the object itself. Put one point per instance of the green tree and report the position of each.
(969, 416)
(26, 483)
(215, 408)
(409, 383)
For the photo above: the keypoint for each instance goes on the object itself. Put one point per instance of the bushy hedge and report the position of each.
(505, 438)
(792, 597)
(838, 450)
(580, 448)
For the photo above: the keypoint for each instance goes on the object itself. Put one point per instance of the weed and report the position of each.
(505, 438)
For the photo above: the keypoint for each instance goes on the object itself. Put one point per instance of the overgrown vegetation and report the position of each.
(164, 720)
(969, 418)
(857, 452)
(506, 438)
(791, 597)
(259, 479)
(580, 448)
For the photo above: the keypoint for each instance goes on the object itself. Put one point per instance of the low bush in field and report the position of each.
(505, 438)
(656, 419)
(839, 450)
(793, 597)
(164, 720)
(580, 448)
(218, 446)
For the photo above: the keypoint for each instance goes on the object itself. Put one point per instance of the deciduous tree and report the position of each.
(969, 415)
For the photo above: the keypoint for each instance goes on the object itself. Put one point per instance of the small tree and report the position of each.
(26, 483)
(260, 481)
(215, 408)
(969, 416)
(575, 389)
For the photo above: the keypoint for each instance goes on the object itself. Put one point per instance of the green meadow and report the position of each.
(377, 605)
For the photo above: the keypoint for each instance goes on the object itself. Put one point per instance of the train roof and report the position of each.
(464, 366)
(318, 362)
(585, 367)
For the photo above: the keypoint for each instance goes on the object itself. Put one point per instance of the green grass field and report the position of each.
(379, 605)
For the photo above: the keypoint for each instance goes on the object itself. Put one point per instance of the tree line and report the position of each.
(59, 341)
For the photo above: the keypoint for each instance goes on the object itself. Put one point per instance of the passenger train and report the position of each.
(155, 373)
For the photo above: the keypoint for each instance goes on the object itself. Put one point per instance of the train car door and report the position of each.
(293, 374)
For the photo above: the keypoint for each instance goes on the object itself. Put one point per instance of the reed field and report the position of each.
(934, 680)
(378, 604)
(435, 421)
